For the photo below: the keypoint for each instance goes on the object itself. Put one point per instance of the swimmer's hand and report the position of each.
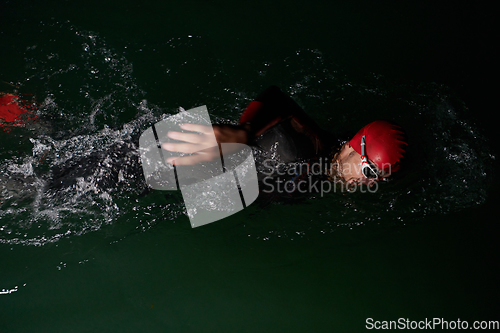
(201, 144)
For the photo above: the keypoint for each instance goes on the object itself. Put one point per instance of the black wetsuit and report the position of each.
(275, 120)
(289, 147)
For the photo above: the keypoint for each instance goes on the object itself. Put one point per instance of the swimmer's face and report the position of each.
(347, 165)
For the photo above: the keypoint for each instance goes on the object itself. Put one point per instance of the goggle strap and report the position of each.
(363, 151)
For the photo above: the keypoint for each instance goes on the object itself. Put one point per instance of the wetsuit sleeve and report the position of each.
(273, 106)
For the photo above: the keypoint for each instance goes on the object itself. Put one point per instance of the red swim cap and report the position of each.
(385, 144)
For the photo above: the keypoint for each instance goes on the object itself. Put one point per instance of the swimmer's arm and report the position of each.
(201, 143)
(271, 107)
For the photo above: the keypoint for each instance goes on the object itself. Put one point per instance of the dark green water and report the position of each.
(102, 259)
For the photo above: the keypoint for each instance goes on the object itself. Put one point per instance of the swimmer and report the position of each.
(280, 130)
(280, 133)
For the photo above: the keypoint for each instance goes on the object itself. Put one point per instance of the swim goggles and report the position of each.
(367, 167)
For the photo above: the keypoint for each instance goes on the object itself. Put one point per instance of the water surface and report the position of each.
(93, 255)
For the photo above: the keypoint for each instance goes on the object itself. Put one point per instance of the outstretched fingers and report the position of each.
(205, 155)
(197, 128)
(194, 138)
(187, 148)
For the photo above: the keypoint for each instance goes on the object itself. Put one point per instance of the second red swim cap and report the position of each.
(385, 144)
(13, 111)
